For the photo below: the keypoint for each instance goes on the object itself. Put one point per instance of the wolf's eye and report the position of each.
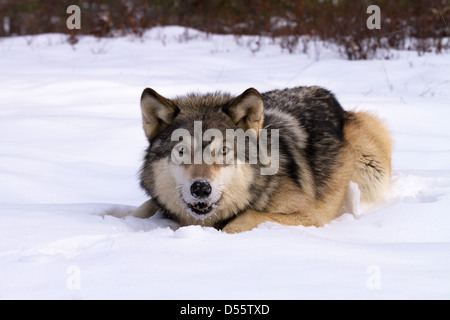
(224, 150)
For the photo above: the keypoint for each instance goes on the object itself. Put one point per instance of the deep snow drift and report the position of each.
(71, 144)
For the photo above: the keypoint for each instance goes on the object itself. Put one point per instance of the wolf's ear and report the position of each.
(157, 112)
(246, 110)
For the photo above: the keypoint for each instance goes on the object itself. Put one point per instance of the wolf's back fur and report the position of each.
(321, 149)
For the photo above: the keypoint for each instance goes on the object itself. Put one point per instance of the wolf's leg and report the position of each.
(145, 210)
(250, 219)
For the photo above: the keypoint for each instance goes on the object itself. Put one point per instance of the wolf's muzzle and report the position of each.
(200, 189)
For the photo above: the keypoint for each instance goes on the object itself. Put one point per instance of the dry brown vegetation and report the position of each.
(405, 24)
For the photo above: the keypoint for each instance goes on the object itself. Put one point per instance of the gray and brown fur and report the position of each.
(322, 148)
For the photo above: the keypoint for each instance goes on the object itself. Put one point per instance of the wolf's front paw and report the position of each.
(145, 210)
(245, 221)
(235, 228)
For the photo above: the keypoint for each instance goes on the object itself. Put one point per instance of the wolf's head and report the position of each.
(193, 167)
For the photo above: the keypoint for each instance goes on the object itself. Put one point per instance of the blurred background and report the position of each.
(405, 24)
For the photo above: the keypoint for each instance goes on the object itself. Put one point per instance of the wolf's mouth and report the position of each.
(201, 208)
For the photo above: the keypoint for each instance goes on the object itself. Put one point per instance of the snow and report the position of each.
(71, 144)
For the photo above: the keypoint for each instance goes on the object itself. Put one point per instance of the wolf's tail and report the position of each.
(371, 144)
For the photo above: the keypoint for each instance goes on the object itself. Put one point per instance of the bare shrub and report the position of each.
(409, 25)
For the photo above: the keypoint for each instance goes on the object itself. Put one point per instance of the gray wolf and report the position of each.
(319, 149)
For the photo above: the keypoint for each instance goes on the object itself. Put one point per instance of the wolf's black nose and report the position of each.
(201, 189)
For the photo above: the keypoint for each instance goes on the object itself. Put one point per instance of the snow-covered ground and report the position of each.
(71, 144)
